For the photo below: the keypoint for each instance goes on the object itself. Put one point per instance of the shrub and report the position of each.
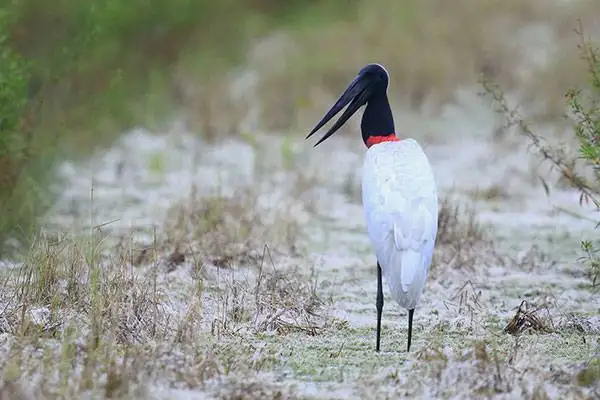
(583, 106)
(70, 70)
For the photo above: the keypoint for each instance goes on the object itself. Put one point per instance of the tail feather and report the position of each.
(405, 276)
(410, 264)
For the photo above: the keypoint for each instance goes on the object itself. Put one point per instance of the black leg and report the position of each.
(379, 304)
(410, 318)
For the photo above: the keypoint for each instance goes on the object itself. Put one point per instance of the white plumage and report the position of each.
(401, 210)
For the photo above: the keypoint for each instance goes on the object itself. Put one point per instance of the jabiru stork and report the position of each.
(399, 192)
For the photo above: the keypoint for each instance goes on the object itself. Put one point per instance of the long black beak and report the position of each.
(357, 94)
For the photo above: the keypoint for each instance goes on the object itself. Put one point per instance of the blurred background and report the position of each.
(75, 75)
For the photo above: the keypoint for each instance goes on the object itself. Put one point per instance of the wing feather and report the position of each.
(400, 201)
(412, 234)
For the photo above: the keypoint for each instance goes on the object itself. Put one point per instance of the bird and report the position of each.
(399, 192)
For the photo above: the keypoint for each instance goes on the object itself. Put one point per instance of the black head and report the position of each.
(370, 84)
(377, 74)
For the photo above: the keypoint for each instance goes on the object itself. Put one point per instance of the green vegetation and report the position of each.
(75, 74)
(590, 374)
(582, 171)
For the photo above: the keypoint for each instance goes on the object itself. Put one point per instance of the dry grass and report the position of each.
(253, 389)
(113, 320)
(481, 370)
(222, 302)
(74, 308)
(478, 367)
(489, 367)
(462, 242)
(269, 300)
(230, 229)
(526, 320)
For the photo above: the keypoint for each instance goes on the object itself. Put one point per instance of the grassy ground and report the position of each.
(262, 284)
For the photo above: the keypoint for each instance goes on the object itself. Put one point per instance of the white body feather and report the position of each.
(401, 208)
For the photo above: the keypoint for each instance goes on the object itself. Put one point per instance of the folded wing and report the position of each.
(413, 238)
